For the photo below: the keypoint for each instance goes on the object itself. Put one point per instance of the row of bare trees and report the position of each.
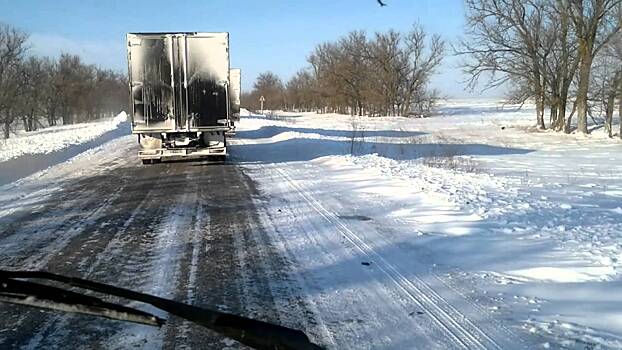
(271, 87)
(556, 52)
(386, 74)
(38, 92)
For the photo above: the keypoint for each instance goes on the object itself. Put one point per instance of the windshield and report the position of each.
(356, 174)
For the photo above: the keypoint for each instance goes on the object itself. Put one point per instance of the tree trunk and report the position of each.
(32, 120)
(25, 124)
(609, 113)
(563, 105)
(52, 118)
(583, 86)
(7, 129)
(620, 109)
(540, 112)
(553, 115)
(569, 122)
(561, 115)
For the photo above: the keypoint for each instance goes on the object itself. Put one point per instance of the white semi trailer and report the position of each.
(180, 94)
(235, 91)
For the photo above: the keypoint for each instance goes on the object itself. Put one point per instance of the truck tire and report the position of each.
(146, 161)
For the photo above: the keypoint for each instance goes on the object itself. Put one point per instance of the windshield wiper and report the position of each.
(254, 333)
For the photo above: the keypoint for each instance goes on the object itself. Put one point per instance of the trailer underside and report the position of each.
(156, 147)
(157, 155)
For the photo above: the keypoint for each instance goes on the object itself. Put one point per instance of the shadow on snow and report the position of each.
(271, 131)
(305, 149)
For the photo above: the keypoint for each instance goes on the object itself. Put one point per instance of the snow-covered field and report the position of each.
(55, 138)
(475, 209)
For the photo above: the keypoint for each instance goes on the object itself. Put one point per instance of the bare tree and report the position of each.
(270, 86)
(422, 60)
(560, 65)
(353, 69)
(31, 100)
(541, 47)
(595, 23)
(12, 49)
(606, 78)
(389, 64)
(618, 50)
(342, 71)
(51, 93)
(505, 43)
(611, 80)
(302, 93)
(388, 74)
(335, 87)
(34, 89)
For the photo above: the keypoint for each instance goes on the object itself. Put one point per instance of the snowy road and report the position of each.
(171, 230)
(355, 240)
(167, 229)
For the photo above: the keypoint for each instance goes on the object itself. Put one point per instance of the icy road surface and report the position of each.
(187, 231)
(346, 228)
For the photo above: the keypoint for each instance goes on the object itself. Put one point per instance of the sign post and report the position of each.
(262, 100)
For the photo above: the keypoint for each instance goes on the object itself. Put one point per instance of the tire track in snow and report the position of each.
(451, 289)
(469, 336)
(301, 298)
(201, 223)
(303, 302)
(293, 308)
(59, 327)
(357, 326)
(157, 263)
(227, 277)
(37, 254)
(22, 251)
(30, 240)
(120, 241)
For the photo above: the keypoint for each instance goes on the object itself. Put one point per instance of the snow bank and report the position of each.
(52, 139)
(244, 112)
(30, 190)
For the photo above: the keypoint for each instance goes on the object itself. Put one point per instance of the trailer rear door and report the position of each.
(150, 66)
(179, 81)
(208, 78)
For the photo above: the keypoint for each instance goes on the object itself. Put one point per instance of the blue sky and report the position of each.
(264, 35)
